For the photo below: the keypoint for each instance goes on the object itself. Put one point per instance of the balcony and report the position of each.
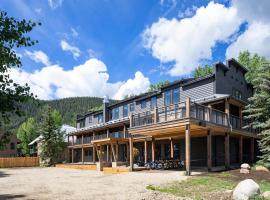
(180, 111)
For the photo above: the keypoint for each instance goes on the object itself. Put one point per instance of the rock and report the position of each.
(246, 189)
(245, 168)
(261, 168)
(266, 195)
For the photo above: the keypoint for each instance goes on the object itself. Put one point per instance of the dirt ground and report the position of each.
(57, 183)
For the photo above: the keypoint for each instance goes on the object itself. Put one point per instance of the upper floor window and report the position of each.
(167, 98)
(125, 110)
(100, 118)
(153, 102)
(143, 104)
(90, 119)
(82, 123)
(131, 107)
(115, 113)
(236, 93)
(176, 95)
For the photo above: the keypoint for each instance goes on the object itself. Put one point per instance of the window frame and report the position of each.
(113, 113)
(132, 107)
(173, 95)
(155, 102)
(169, 92)
(143, 104)
(125, 107)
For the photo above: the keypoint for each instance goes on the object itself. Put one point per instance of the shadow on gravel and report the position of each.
(11, 196)
(3, 174)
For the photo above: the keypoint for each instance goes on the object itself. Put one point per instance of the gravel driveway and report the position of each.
(57, 183)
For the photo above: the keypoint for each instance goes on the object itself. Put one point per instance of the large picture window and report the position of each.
(153, 102)
(143, 104)
(115, 113)
(176, 95)
(100, 118)
(125, 110)
(167, 98)
(236, 93)
(131, 107)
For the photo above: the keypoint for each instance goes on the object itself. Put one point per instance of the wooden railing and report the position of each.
(19, 162)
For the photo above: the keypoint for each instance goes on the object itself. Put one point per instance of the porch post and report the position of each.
(209, 151)
(241, 149)
(116, 152)
(252, 150)
(82, 155)
(187, 139)
(72, 140)
(72, 155)
(153, 149)
(241, 116)
(145, 151)
(107, 153)
(131, 153)
(227, 150)
(94, 154)
(128, 152)
(125, 131)
(172, 149)
(227, 110)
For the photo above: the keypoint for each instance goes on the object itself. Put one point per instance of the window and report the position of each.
(12, 146)
(167, 98)
(115, 113)
(153, 102)
(236, 93)
(82, 124)
(176, 95)
(125, 110)
(131, 107)
(143, 104)
(90, 119)
(100, 118)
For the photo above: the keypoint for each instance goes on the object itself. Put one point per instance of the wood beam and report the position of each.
(94, 154)
(172, 148)
(187, 107)
(227, 151)
(209, 151)
(187, 141)
(107, 153)
(145, 151)
(241, 149)
(113, 152)
(116, 152)
(131, 153)
(82, 155)
(72, 155)
(153, 149)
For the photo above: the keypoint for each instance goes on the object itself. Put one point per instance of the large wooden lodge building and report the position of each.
(198, 121)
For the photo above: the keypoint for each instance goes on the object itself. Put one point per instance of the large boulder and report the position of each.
(261, 168)
(246, 189)
(245, 168)
(266, 195)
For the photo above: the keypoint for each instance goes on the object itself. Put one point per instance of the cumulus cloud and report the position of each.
(84, 80)
(256, 38)
(38, 56)
(72, 49)
(185, 42)
(55, 3)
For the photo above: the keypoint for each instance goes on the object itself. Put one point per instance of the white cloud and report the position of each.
(186, 42)
(256, 39)
(55, 3)
(84, 80)
(38, 10)
(38, 56)
(73, 49)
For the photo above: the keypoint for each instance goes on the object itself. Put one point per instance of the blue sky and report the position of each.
(155, 40)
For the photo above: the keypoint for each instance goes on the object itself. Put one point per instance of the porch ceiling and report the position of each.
(109, 141)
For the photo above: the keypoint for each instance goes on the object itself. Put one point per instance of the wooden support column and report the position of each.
(153, 149)
(82, 138)
(113, 152)
(127, 152)
(107, 153)
(72, 155)
(131, 153)
(188, 107)
(252, 150)
(241, 116)
(172, 148)
(108, 133)
(125, 131)
(94, 154)
(187, 140)
(241, 149)
(94, 135)
(209, 151)
(116, 152)
(156, 115)
(72, 140)
(82, 155)
(227, 110)
(227, 151)
(145, 151)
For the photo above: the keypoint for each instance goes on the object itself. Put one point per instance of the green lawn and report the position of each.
(210, 186)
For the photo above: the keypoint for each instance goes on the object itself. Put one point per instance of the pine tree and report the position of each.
(52, 142)
(258, 111)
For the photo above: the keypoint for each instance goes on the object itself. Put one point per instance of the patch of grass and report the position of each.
(195, 187)
(264, 185)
